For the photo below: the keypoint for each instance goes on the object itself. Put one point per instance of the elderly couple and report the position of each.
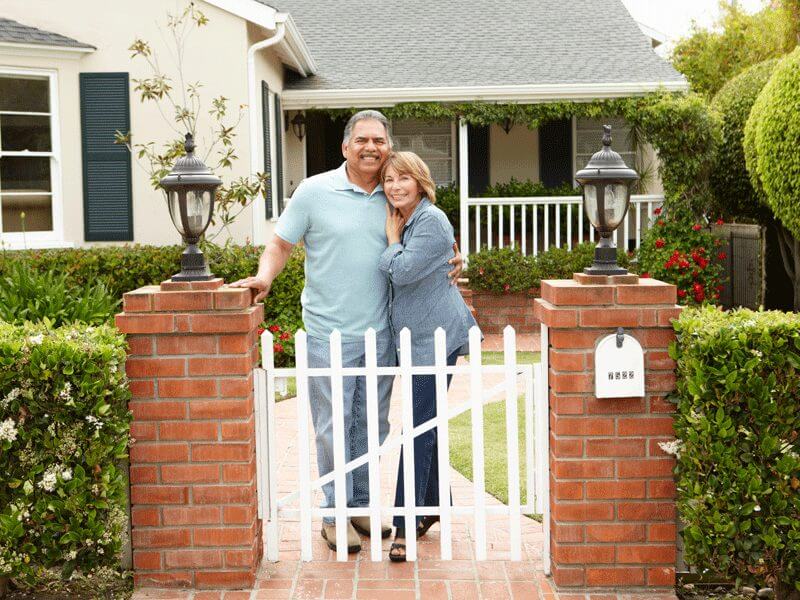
(379, 264)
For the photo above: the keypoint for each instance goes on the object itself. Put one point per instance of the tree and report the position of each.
(772, 155)
(709, 58)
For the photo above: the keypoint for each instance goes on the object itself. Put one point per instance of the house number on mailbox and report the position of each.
(619, 367)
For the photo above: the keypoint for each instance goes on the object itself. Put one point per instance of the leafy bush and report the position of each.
(501, 270)
(27, 295)
(739, 449)
(681, 251)
(733, 192)
(64, 423)
(561, 263)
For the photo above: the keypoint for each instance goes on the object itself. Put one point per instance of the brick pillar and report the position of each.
(192, 348)
(612, 506)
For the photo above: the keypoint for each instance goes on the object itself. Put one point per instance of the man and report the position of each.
(340, 217)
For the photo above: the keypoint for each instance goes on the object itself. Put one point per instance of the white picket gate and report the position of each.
(273, 509)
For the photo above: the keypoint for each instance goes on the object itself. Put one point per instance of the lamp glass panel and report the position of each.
(174, 204)
(590, 202)
(616, 203)
(197, 210)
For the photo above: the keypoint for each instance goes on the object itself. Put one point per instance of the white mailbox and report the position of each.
(619, 367)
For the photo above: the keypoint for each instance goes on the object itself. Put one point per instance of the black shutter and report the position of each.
(107, 198)
(278, 173)
(555, 153)
(265, 120)
(478, 144)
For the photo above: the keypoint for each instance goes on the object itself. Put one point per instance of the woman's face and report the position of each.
(401, 189)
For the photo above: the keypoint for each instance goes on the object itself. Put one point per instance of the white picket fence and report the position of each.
(273, 509)
(492, 222)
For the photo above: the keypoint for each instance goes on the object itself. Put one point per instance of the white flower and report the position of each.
(49, 481)
(66, 393)
(66, 474)
(673, 448)
(94, 422)
(36, 339)
(8, 432)
(72, 555)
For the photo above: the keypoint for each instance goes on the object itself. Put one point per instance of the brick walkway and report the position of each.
(428, 578)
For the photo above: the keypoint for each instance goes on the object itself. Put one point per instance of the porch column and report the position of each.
(192, 349)
(463, 185)
(612, 493)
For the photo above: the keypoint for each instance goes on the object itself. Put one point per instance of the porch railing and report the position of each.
(535, 224)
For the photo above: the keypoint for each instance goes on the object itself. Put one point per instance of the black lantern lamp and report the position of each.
(299, 125)
(606, 183)
(190, 188)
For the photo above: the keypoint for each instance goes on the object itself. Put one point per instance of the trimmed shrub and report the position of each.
(738, 448)
(733, 192)
(64, 424)
(561, 263)
(681, 251)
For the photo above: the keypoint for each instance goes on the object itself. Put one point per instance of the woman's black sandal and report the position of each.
(425, 524)
(396, 557)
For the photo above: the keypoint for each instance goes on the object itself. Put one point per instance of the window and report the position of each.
(432, 141)
(589, 139)
(28, 156)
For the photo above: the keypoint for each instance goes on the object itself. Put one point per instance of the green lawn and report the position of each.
(496, 358)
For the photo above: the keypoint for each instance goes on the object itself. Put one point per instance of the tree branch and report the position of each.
(787, 244)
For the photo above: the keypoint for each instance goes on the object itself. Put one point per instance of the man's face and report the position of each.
(367, 148)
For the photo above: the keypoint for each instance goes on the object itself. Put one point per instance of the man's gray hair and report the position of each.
(364, 115)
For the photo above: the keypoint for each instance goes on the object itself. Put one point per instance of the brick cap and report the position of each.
(191, 286)
(585, 279)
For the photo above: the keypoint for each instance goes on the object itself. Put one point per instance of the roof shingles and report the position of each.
(17, 33)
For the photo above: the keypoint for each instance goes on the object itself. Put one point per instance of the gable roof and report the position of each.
(16, 33)
(473, 44)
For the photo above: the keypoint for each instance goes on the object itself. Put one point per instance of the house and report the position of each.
(67, 84)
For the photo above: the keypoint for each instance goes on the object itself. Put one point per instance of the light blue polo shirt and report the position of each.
(343, 229)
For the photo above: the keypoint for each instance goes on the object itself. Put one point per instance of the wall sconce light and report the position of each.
(299, 125)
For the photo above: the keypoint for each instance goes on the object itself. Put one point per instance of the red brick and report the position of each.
(568, 533)
(227, 298)
(154, 453)
(648, 554)
(238, 473)
(221, 452)
(612, 532)
(583, 511)
(571, 339)
(155, 367)
(659, 404)
(583, 469)
(221, 323)
(648, 467)
(188, 430)
(571, 382)
(187, 388)
(157, 411)
(192, 515)
(553, 316)
(566, 447)
(614, 406)
(159, 494)
(586, 426)
(238, 515)
(614, 489)
(662, 532)
(235, 344)
(188, 559)
(186, 344)
(223, 494)
(645, 426)
(140, 345)
(567, 361)
(659, 382)
(571, 293)
(143, 432)
(646, 511)
(139, 323)
(661, 576)
(615, 447)
(653, 292)
(223, 536)
(648, 317)
(220, 409)
(243, 430)
(145, 517)
(146, 561)
(236, 387)
(138, 301)
(174, 579)
(571, 577)
(241, 558)
(161, 538)
(225, 579)
(667, 315)
(655, 338)
(190, 286)
(175, 301)
(220, 365)
(614, 576)
(661, 489)
(182, 324)
(566, 405)
(568, 490)
(190, 474)
(610, 317)
(141, 388)
(143, 474)
(658, 360)
(582, 554)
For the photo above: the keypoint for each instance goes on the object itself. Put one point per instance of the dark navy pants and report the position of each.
(426, 465)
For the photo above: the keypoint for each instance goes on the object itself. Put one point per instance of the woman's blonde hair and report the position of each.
(408, 163)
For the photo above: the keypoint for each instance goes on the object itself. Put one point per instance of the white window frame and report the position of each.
(55, 237)
(453, 151)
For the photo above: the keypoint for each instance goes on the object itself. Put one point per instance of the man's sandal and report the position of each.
(396, 556)
(425, 524)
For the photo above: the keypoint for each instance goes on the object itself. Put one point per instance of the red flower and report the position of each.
(698, 288)
(681, 294)
(660, 243)
(697, 227)
(480, 271)
(722, 256)
(274, 328)
(720, 222)
(683, 264)
(277, 347)
(285, 336)
(661, 222)
(261, 330)
(657, 211)
(699, 296)
(720, 287)
(506, 287)
(645, 275)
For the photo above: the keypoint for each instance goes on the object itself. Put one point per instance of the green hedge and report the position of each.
(738, 429)
(64, 425)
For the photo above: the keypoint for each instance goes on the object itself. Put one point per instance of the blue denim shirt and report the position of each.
(422, 298)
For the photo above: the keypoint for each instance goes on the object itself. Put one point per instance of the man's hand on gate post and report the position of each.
(259, 284)
(458, 265)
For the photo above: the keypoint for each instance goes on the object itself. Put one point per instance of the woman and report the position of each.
(420, 244)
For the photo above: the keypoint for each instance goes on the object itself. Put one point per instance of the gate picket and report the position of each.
(443, 446)
(373, 441)
(304, 459)
(512, 441)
